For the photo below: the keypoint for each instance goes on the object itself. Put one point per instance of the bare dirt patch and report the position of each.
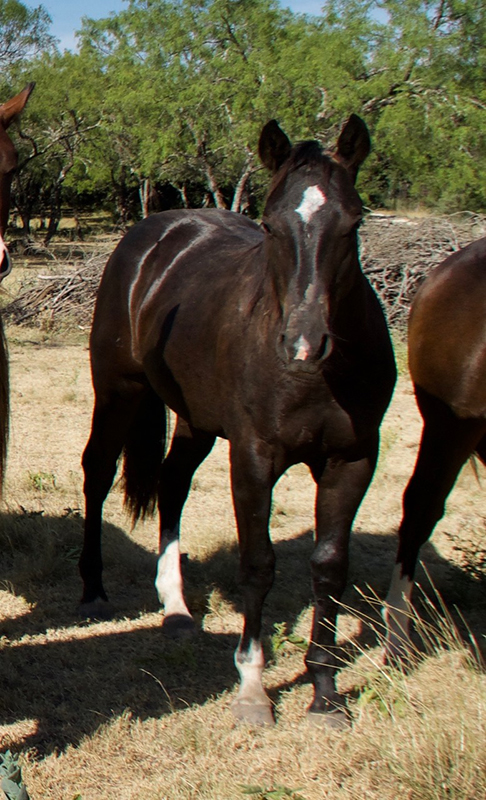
(107, 710)
(104, 710)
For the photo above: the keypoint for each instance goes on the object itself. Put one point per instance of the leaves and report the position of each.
(11, 783)
(167, 99)
(280, 638)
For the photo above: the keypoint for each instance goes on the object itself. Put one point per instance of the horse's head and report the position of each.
(310, 221)
(8, 163)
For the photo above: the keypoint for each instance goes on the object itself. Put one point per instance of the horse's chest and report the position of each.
(301, 418)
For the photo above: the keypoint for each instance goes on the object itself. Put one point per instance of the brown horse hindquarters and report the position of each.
(269, 336)
(447, 356)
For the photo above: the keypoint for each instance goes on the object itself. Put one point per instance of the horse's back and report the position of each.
(162, 263)
(447, 332)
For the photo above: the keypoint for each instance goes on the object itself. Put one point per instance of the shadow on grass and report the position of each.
(71, 686)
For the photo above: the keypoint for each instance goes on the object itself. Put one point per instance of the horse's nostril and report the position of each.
(325, 347)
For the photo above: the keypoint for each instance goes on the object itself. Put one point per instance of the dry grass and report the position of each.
(110, 710)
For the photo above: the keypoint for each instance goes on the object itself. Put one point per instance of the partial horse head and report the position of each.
(9, 111)
(310, 220)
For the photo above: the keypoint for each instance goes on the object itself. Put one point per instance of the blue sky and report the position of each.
(66, 14)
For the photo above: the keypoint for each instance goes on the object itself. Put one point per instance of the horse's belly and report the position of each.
(191, 393)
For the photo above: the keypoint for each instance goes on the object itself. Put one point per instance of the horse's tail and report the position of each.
(143, 454)
(4, 405)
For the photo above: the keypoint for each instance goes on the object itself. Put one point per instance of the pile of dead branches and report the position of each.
(396, 255)
(68, 294)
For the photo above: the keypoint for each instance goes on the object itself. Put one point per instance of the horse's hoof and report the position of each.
(337, 720)
(178, 626)
(253, 713)
(96, 610)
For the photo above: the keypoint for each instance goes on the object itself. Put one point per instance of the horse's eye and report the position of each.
(265, 227)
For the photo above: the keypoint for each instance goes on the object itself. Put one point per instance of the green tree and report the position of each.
(412, 69)
(24, 32)
(190, 86)
(52, 134)
(172, 95)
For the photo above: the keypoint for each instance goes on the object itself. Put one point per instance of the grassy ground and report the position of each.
(110, 710)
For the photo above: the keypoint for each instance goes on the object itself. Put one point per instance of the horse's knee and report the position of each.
(329, 565)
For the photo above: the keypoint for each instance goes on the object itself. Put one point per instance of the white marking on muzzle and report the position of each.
(312, 200)
(302, 348)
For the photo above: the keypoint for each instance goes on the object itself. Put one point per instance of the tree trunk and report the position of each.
(55, 213)
(183, 193)
(240, 200)
(216, 192)
(144, 191)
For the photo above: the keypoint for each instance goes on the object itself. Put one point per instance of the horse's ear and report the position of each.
(12, 108)
(353, 145)
(274, 146)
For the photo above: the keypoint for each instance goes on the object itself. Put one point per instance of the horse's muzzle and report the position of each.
(300, 355)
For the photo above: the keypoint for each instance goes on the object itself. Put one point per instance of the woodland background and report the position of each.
(163, 103)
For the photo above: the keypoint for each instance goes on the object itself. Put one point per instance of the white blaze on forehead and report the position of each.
(312, 200)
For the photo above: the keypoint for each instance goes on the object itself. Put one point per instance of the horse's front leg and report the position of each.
(252, 483)
(342, 484)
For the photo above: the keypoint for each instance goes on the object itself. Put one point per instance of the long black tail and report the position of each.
(143, 455)
(4, 405)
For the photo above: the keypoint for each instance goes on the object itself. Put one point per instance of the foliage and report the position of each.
(24, 32)
(280, 638)
(11, 784)
(164, 101)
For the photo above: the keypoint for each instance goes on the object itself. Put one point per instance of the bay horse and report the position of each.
(9, 111)
(447, 360)
(269, 336)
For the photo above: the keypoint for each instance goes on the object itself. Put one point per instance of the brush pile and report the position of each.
(64, 293)
(396, 255)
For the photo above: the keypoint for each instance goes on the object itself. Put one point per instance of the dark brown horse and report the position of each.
(447, 358)
(9, 111)
(268, 335)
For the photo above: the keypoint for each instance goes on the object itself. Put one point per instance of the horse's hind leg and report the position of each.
(111, 421)
(189, 448)
(446, 444)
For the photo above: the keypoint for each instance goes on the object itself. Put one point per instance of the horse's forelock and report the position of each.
(303, 154)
